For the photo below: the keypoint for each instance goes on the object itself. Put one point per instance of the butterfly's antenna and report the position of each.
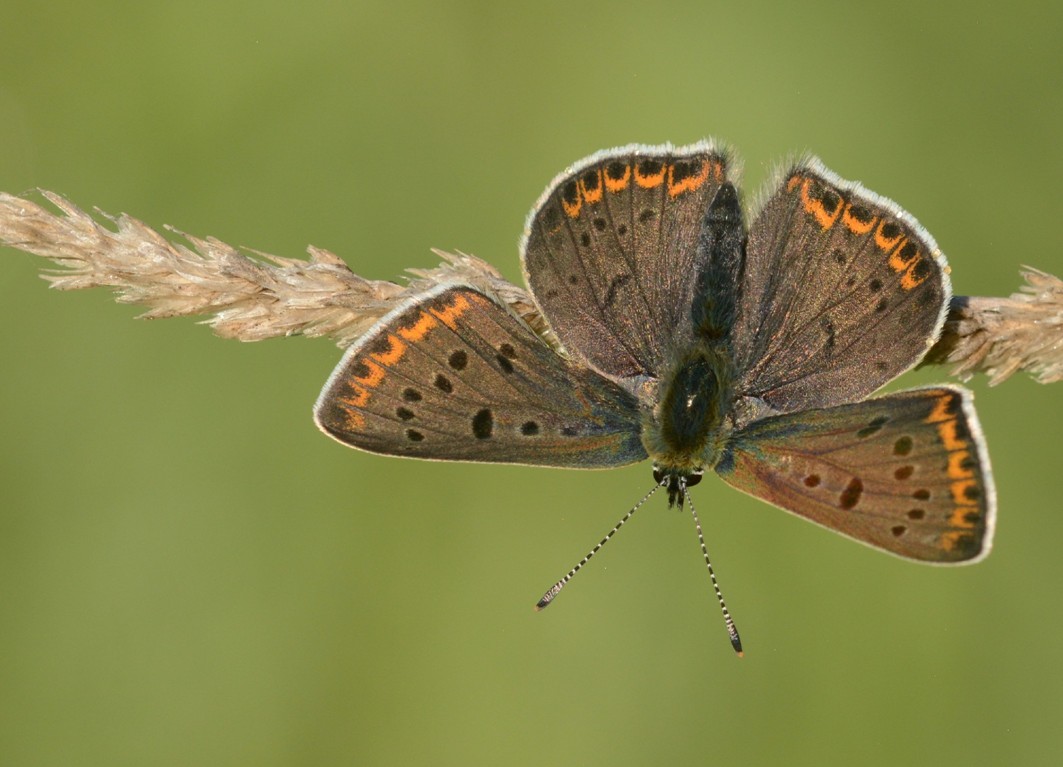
(548, 597)
(732, 631)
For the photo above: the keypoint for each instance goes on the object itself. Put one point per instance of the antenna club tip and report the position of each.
(740, 654)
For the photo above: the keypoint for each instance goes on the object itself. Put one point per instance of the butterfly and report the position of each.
(689, 338)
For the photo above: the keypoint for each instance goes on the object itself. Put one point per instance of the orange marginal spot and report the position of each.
(905, 256)
(949, 438)
(592, 194)
(419, 329)
(854, 224)
(826, 218)
(950, 541)
(959, 497)
(791, 185)
(717, 171)
(650, 180)
(959, 516)
(909, 281)
(355, 420)
(687, 183)
(393, 354)
(360, 398)
(959, 465)
(942, 411)
(449, 314)
(371, 379)
(885, 240)
(617, 183)
(571, 199)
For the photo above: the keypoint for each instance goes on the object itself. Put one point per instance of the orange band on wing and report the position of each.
(450, 313)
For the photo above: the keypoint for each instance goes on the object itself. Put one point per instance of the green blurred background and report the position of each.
(191, 574)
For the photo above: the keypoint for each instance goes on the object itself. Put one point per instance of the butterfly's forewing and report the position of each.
(843, 291)
(452, 375)
(905, 472)
(611, 254)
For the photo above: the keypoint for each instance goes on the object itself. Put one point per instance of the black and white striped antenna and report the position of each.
(732, 630)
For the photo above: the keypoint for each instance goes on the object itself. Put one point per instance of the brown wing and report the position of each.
(611, 255)
(907, 472)
(452, 375)
(842, 292)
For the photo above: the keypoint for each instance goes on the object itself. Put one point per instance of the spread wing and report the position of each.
(907, 472)
(611, 253)
(453, 375)
(842, 292)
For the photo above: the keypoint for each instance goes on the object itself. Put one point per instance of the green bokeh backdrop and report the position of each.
(191, 574)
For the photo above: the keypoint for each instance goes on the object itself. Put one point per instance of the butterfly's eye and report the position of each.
(693, 479)
(658, 475)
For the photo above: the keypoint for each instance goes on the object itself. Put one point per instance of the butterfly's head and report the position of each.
(676, 481)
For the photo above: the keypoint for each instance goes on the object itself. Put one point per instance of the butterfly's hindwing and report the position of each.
(452, 375)
(611, 254)
(843, 291)
(906, 472)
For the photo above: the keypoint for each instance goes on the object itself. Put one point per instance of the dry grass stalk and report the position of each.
(252, 299)
(1001, 336)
